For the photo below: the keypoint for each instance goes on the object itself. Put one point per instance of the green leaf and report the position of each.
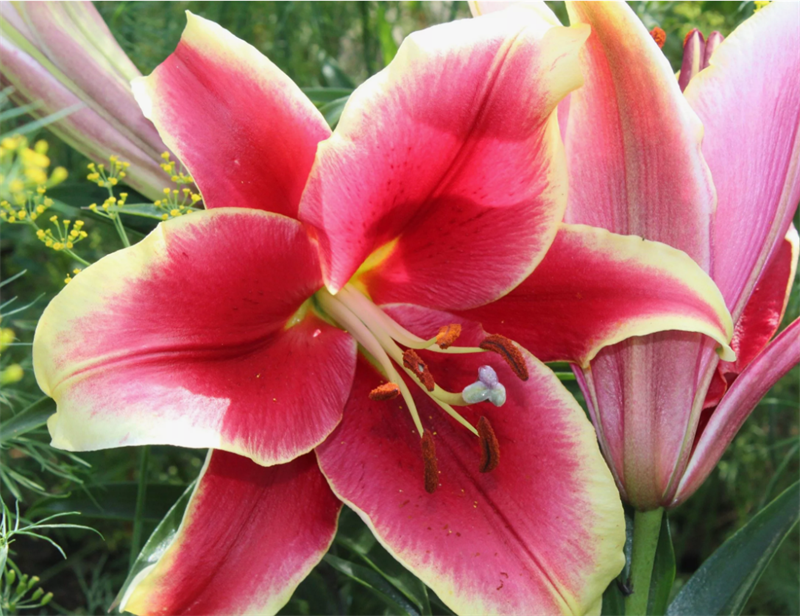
(663, 571)
(28, 419)
(115, 501)
(385, 37)
(725, 581)
(613, 597)
(326, 95)
(32, 127)
(357, 537)
(374, 581)
(333, 111)
(318, 594)
(333, 75)
(157, 544)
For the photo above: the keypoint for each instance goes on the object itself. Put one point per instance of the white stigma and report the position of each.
(487, 387)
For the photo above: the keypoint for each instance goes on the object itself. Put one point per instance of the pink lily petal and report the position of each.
(595, 288)
(641, 397)
(434, 171)
(249, 536)
(540, 534)
(244, 130)
(780, 356)
(764, 311)
(633, 142)
(188, 338)
(484, 7)
(752, 143)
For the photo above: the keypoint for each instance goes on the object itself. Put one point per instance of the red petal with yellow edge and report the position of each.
(242, 128)
(450, 160)
(182, 339)
(632, 141)
(595, 288)
(749, 102)
(764, 310)
(540, 534)
(249, 536)
(780, 356)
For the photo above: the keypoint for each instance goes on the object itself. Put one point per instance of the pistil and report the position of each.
(383, 338)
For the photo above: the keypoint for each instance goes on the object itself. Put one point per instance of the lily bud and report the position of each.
(696, 54)
(714, 39)
(63, 57)
(694, 46)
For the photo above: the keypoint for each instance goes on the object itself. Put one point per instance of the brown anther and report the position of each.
(387, 391)
(508, 351)
(659, 36)
(429, 457)
(413, 362)
(448, 334)
(490, 448)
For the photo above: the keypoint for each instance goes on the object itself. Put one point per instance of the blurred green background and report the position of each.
(319, 44)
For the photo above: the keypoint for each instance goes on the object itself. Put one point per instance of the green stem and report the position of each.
(121, 231)
(141, 493)
(646, 528)
(80, 260)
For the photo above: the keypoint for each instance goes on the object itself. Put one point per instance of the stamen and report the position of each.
(374, 316)
(413, 362)
(366, 338)
(447, 335)
(431, 468)
(659, 36)
(490, 448)
(508, 351)
(387, 391)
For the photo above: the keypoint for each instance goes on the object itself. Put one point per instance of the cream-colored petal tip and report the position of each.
(141, 93)
(726, 353)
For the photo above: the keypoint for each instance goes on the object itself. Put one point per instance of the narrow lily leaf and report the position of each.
(355, 536)
(663, 571)
(332, 111)
(725, 581)
(614, 596)
(326, 95)
(28, 419)
(115, 501)
(315, 595)
(374, 581)
(158, 542)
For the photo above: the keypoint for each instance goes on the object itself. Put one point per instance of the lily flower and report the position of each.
(714, 172)
(309, 326)
(62, 58)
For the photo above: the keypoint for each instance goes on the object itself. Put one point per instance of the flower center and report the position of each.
(394, 348)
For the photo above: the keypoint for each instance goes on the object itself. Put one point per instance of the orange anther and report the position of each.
(508, 351)
(429, 457)
(659, 36)
(490, 448)
(413, 362)
(387, 391)
(448, 334)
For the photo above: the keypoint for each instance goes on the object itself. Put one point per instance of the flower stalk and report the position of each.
(646, 529)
